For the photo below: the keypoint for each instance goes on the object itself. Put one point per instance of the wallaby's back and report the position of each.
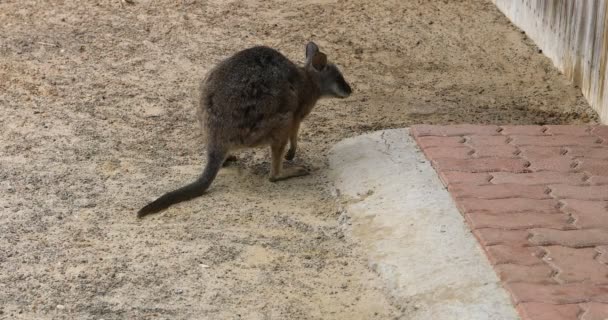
(248, 95)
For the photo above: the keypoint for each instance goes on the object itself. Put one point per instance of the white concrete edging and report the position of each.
(414, 237)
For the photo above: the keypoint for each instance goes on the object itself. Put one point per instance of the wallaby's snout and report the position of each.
(331, 81)
(341, 88)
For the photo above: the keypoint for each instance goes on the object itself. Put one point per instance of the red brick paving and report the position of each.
(536, 198)
(594, 311)
(544, 311)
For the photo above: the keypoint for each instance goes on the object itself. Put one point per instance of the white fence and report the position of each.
(573, 34)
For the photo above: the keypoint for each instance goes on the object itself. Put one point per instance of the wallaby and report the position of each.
(257, 97)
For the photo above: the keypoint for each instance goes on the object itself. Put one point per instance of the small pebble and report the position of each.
(60, 307)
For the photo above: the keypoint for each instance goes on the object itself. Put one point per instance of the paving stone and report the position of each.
(481, 165)
(454, 152)
(602, 254)
(554, 141)
(585, 206)
(600, 131)
(537, 178)
(494, 236)
(525, 256)
(539, 152)
(530, 274)
(503, 151)
(593, 167)
(594, 311)
(523, 130)
(508, 205)
(548, 159)
(570, 130)
(569, 238)
(501, 191)
(587, 152)
(579, 192)
(476, 141)
(598, 180)
(557, 294)
(555, 164)
(546, 311)
(454, 130)
(517, 221)
(576, 265)
(587, 214)
(456, 177)
(443, 142)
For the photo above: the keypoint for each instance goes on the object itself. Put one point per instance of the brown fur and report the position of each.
(255, 98)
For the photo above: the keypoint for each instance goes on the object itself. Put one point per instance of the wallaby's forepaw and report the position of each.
(291, 153)
(290, 173)
(229, 160)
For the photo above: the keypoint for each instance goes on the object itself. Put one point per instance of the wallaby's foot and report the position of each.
(291, 153)
(287, 173)
(230, 159)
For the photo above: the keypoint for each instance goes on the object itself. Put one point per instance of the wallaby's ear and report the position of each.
(314, 57)
(311, 49)
(319, 61)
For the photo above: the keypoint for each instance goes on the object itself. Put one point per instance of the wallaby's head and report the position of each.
(330, 79)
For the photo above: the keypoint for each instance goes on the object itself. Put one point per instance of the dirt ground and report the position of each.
(97, 119)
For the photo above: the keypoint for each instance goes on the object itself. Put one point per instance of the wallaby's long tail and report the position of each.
(215, 160)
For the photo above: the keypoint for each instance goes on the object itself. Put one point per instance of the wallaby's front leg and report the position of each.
(229, 159)
(277, 172)
(293, 141)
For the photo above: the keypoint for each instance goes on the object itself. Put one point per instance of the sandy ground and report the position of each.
(97, 119)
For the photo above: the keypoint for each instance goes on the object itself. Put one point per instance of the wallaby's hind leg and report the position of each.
(229, 159)
(293, 142)
(277, 172)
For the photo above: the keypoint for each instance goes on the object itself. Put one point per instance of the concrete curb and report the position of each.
(414, 237)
